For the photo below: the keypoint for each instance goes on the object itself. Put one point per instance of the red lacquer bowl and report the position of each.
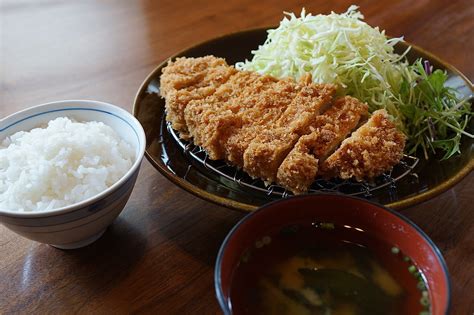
(390, 226)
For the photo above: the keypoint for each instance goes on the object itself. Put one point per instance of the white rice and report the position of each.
(62, 164)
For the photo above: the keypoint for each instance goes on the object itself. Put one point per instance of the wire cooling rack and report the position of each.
(200, 158)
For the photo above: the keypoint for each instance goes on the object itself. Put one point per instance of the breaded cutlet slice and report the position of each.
(263, 157)
(246, 99)
(188, 79)
(330, 129)
(269, 148)
(371, 150)
(215, 116)
(299, 169)
(311, 101)
(259, 109)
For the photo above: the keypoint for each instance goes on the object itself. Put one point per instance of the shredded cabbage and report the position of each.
(330, 46)
(334, 48)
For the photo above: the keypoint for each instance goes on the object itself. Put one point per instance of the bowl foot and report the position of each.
(81, 243)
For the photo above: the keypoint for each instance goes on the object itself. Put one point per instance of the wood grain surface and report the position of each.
(158, 257)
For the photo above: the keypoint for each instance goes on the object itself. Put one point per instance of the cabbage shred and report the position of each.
(360, 59)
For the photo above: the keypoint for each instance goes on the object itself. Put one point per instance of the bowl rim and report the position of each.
(225, 307)
(69, 104)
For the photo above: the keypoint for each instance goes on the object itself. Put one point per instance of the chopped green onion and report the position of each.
(421, 285)
(425, 301)
(327, 226)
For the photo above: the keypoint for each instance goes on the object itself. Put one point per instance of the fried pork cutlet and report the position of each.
(212, 119)
(266, 152)
(371, 150)
(277, 130)
(188, 79)
(300, 167)
(269, 148)
(258, 105)
(246, 100)
(261, 113)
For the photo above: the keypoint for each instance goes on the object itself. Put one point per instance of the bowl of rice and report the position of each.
(67, 169)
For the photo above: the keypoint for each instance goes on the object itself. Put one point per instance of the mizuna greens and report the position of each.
(343, 49)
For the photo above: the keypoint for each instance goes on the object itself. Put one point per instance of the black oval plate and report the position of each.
(433, 176)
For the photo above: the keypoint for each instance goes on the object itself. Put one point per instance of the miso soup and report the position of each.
(320, 268)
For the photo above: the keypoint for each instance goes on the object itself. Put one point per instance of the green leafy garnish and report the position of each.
(343, 49)
(433, 117)
(347, 286)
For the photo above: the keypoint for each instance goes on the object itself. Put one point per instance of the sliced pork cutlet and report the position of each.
(259, 108)
(371, 150)
(299, 169)
(213, 117)
(269, 148)
(214, 120)
(188, 79)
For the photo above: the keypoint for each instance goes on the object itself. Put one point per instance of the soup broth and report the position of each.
(321, 268)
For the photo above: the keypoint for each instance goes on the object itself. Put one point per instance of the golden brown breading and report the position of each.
(371, 150)
(329, 130)
(211, 128)
(306, 106)
(334, 126)
(275, 143)
(238, 142)
(259, 109)
(263, 157)
(219, 123)
(299, 169)
(188, 79)
(211, 120)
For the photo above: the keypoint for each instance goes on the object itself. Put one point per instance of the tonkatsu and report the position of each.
(280, 131)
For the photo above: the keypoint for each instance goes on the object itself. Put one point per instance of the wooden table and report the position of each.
(158, 257)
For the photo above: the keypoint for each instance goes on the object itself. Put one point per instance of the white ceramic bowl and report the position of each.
(82, 223)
